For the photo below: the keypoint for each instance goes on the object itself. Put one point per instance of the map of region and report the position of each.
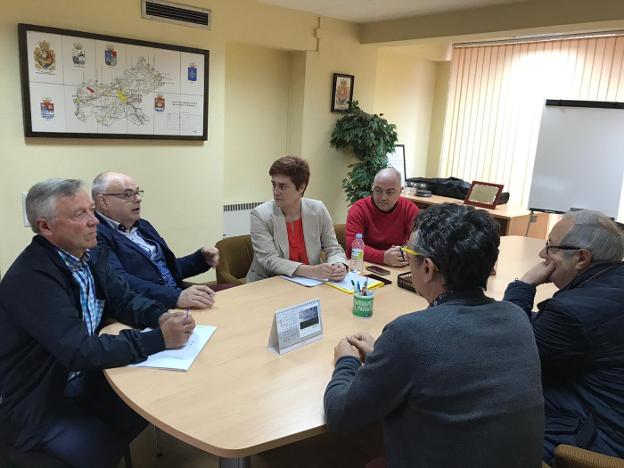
(121, 99)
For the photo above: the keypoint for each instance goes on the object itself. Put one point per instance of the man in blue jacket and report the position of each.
(139, 254)
(54, 300)
(580, 332)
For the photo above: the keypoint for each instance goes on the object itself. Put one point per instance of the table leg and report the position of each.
(244, 462)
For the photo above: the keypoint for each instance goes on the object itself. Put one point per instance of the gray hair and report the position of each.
(100, 184)
(42, 198)
(597, 233)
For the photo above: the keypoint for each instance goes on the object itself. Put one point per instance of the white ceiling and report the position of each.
(363, 11)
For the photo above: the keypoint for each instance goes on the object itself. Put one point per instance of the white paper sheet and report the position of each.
(182, 358)
(309, 282)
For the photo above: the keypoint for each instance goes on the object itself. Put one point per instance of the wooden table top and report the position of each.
(501, 211)
(239, 398)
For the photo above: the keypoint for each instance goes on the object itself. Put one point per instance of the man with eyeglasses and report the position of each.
(580, 332)
(138, 252)
(458, 383)
(385, 219)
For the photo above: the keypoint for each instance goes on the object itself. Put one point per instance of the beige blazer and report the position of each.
(269, 239)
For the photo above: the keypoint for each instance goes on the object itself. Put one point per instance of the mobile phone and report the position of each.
(378, 270)
(378, 278)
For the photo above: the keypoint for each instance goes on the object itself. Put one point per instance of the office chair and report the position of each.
(339, 229)
(235, 256)
(567, 456)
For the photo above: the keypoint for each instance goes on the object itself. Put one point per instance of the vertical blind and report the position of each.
(496, 96)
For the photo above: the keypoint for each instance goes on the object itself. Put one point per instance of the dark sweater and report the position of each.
(456, 385)
(44, 336)
(580, 338)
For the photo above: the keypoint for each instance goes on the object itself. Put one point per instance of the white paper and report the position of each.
(309, 282)
(182, 358)
(357, 279)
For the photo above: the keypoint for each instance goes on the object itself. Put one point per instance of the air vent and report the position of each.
(161, 10)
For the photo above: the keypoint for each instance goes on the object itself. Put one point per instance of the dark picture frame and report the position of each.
(342, 92)
(78, 84)
(483, 194)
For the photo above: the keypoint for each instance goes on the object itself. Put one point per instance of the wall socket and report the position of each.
(26, 223)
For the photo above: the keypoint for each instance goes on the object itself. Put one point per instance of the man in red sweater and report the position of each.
(385, 219)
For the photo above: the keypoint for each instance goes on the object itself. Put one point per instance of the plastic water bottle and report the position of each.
(357, 254)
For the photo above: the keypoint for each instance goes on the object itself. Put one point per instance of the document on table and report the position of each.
(346, 286)
(309, 282)
(181, 358)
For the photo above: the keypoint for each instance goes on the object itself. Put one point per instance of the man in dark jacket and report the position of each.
(580, 332)
(54, 300)
(457, 384)
(139, 254)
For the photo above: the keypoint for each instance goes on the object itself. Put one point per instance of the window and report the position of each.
(496, 97)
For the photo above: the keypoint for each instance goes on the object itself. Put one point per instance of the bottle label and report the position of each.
(357, 254)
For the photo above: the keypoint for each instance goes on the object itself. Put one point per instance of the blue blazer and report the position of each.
(133, 264)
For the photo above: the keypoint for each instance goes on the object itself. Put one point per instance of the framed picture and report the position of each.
(342, 92)
(397, 160)
(483, 194)
(84, 85)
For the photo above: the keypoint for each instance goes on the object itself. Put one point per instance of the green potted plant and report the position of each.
(370, 137)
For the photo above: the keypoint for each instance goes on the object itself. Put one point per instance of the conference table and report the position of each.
(239, 398)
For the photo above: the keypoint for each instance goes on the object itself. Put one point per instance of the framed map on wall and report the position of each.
(84, 85)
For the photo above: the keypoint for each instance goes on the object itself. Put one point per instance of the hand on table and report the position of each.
(343, 348)
(539, 274)
(363, 342)
(176, 328)
(324, 271)
(394, 257)
(197, 296)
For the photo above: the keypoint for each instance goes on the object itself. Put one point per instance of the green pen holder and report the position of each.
(363, 305)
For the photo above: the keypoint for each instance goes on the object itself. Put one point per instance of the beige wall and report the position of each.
(185, 181)
(437, 118)
(339, 52)
(404, 93)
(257, 82)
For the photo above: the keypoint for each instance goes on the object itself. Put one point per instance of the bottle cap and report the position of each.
(359, 235)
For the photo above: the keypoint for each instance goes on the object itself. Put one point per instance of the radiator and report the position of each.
(236, 218)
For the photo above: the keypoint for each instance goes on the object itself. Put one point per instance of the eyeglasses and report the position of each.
(127, 195)
(407, 250)
(559, 247)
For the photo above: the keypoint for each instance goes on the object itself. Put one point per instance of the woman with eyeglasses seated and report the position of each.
(289, 232)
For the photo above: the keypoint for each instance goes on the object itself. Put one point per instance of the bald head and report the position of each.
(386, 189)
(388, 175)
(116, 196)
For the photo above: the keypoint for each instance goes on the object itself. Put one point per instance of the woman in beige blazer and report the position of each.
(275, 224)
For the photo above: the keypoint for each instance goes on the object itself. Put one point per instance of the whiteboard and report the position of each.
(579, 163)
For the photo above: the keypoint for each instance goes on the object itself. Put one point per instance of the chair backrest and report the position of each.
(341, 235)
(235, 256)
(567, 456)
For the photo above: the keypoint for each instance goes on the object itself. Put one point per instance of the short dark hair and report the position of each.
(295, 168)
(461, 241)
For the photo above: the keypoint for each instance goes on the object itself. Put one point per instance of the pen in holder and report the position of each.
(363, 305)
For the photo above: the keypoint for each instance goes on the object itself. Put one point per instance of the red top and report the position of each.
(381, 230)
(296, 242)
